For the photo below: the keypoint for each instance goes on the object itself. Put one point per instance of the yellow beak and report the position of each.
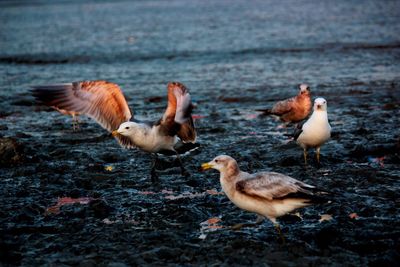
(115, 133)
(206, 166)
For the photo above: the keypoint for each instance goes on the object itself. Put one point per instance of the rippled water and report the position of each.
(218, 45)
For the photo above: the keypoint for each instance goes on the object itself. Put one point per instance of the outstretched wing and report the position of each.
(272, 185)
(101, 100)
(177, 119)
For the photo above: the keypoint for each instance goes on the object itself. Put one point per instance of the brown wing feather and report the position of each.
(187, 132)
(101, 100)
(283, 106)
(271, 185)
(177, 119)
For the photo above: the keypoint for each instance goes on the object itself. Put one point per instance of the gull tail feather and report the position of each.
(265, 111)
(318, 196)
(311, 195)
(182, 148)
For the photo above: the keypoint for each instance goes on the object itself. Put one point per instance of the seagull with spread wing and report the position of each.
(268, 194)
(105, 103)
(293, 109)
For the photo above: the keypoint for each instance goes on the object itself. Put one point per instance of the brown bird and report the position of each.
(105, 103)
(293, 109)
(268, 194)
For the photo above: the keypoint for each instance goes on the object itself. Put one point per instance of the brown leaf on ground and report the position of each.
(61, 201)
(214, 192)
(213, 220)
(354, 215)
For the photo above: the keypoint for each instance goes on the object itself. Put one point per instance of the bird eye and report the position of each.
(127, 128)
(216, 161)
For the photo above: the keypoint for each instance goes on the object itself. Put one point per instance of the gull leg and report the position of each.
(259, 219)
(278, 229)
(183, 171)
(75, 122)
(318, 150)
(153, 173)
(305, 156)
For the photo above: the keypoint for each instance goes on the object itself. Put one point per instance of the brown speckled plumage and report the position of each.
(293, 109)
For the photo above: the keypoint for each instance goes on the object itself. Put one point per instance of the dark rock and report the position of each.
(100, 208)
(155, 99)
(23, 102)
(361, 131)
(10, 152)
(9, 252)
(164, 253)
(88, 263)
(24, 218)
(22, 135)
(289, 161)
(117, 264)
(192, 182)
(111, 157)
(3, 127)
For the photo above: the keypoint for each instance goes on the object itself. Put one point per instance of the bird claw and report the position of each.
(281, 237)
(75, 124)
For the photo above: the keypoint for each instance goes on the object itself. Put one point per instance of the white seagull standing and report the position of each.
(105, 103)
(316, 130)
(268, 194)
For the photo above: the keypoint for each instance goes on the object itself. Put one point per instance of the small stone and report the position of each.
(10, 152)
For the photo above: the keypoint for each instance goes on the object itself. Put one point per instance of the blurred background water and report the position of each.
(208, 45)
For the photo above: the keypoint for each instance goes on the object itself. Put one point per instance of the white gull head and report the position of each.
(320, 104)
(221, 163)
(128, 128)
(304, 89)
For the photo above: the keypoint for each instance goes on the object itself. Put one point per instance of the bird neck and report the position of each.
(140, 132)
(302, 97)
(231, 171)
(320, 115)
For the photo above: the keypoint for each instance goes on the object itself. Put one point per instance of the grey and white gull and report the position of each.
(268, 194)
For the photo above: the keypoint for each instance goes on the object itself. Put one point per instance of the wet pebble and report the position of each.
(10, 151)
(100, 208)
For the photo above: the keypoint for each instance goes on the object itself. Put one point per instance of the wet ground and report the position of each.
(77, 198)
